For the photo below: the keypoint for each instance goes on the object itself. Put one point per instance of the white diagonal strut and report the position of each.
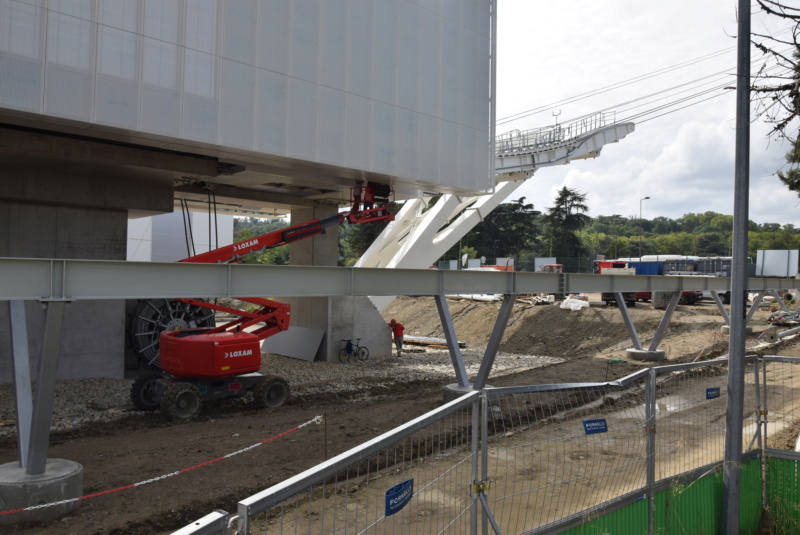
(417, 238)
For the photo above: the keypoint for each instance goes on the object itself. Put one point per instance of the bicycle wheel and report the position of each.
(344, 356)
(362, 353)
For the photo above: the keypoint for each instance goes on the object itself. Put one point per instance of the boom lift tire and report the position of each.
(181, 401)
(152, 316)
(271, 392)
(143, 394)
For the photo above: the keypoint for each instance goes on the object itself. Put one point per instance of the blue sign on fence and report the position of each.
(712, 393)
(398, 496)
(595, 426)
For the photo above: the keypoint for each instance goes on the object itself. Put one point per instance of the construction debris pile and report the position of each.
(785, 319)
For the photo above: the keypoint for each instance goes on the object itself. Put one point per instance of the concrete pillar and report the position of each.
(62, 197)
(93, 331)
(339, 317)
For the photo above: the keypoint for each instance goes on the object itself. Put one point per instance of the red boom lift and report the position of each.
(201, 361)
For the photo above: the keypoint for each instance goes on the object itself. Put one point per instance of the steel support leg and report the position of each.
(721, 308)
(452, 340)
(756, 303)
(779, 300)
(45, 387)
(21, 370)
(626, 316)
(494, 341)
(662, 327)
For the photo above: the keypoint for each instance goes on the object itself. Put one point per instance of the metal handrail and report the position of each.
(517, 141)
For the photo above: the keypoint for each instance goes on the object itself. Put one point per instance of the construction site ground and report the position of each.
(589, 344)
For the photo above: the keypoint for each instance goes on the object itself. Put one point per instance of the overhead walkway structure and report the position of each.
(424, 230)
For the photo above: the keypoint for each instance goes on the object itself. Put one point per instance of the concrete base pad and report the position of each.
(454, 391)
(61, 480)
(643, 354)
(727, 328)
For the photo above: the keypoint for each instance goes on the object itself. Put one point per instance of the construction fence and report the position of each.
(639, 455)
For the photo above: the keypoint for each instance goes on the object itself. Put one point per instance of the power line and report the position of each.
(625, 83)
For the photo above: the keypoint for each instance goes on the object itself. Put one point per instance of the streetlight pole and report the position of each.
(640, 225)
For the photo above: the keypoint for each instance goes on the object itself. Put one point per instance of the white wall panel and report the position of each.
(240, 23)
(430, 72)
(333, 45)
(371, 85)
(407, 136)
(332, 120)
(305, 32)
(272, 114)
(384, 154)
(359, 48)
(274, 30)
(359, 132)
(408, 52)
(238, 103)
(385, 46)
(303, 119)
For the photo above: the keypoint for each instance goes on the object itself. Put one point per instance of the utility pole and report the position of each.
(731, 467)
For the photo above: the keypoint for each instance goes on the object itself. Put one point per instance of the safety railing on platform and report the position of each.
(541, 459)
(516, 141)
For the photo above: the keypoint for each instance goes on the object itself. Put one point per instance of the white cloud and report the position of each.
(684, 160)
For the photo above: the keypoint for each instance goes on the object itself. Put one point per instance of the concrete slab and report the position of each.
(61, 480)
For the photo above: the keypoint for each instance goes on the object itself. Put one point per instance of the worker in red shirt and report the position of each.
(397, 332)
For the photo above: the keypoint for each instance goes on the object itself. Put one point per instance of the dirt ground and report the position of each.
(592, 341)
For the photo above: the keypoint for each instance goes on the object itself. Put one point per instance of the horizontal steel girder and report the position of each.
(45, 280)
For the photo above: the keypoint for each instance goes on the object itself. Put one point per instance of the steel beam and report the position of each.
(43, 279)
(452, 340)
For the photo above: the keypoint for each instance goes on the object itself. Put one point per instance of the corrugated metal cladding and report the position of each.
(399, 87)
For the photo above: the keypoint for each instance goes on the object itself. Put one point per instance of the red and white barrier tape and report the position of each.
(317, 420)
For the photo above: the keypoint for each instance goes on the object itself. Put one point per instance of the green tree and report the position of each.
(777, 90)
(563, 221)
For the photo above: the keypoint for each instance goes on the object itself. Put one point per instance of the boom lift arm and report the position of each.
(370, 204)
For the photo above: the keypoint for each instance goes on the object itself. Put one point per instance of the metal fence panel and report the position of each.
(557, 457)
(782, 380)
(554, 455)
(690, 416)
(416, 479)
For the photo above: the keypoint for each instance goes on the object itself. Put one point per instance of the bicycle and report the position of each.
(350, 349)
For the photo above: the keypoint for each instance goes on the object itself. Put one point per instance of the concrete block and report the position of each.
(643, 354)
(61, 480)
(727, 329)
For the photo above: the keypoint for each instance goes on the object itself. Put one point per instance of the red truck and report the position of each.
(616, 267)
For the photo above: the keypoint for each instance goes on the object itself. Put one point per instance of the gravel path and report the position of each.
(79, 402)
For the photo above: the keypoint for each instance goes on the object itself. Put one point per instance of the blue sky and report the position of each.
(684, 160)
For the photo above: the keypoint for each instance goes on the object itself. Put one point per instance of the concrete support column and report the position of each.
(339, 317)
